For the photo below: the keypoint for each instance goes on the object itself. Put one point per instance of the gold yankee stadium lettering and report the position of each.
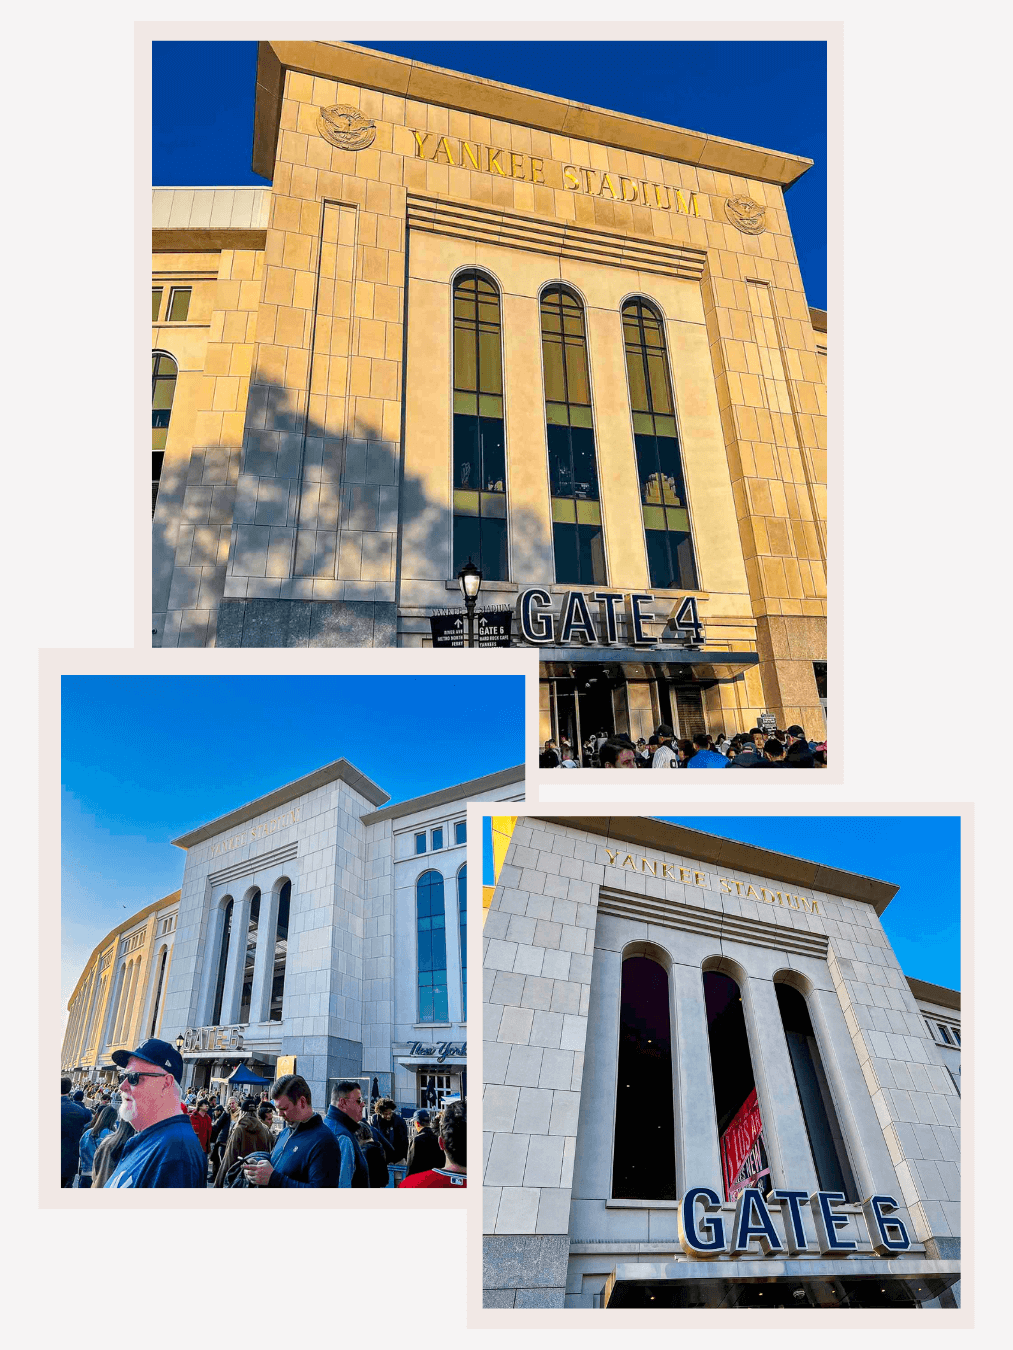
(549, 173)
(690, 877)
(256, 832)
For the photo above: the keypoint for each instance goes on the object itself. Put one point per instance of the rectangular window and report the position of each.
(460, 832)
(944, 1034)
(955, 1034)
(179, 304)
(438, 838)
(955, 1077)
(156, 302)
(420, 843)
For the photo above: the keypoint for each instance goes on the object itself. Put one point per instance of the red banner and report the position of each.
(743, 1157)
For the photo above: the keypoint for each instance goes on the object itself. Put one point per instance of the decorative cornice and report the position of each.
(248, 866)
(727, 927)
(559, 238)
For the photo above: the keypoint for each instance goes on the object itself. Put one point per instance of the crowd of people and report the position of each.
(757, 749)
(146, 1133)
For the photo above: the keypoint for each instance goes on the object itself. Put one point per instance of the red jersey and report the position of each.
(437, 1177)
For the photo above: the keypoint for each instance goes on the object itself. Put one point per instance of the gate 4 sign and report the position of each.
(575, 624)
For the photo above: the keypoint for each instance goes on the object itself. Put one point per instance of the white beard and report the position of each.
(126, 1111)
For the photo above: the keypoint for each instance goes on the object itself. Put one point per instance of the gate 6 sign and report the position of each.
(575, 621)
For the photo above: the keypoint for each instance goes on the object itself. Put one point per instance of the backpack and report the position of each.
(235, 1176)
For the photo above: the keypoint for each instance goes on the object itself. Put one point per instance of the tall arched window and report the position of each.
(643, 1165)
(659, 464)
(830, 1154)
(578, 540)
(740, 1126)
(432, 947)
(480, 530)
(156, 1006)
(246, 997)
(163, 387)
(280, 952)
(462, 924)
(223, 959)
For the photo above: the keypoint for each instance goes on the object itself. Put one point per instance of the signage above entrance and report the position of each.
(704, 1234)
(607, 184)
(441, 1051)
(492, 628)
(199, 1041)
(575, 626)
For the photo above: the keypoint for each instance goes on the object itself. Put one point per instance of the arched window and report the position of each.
(577, 537)
(280, 952)
(830, 1154)
(659, 464)
(246, 997)
(480, 530)
(157, 1004)
(643, 1166)
(462, 923)
(432, 947)
(223, 959)
(740, 1127)
(163, 387)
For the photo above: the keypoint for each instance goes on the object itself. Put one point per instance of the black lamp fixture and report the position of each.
(180, 1043)
(470, 580)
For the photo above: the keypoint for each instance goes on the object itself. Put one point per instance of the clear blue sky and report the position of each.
(920, 854)
(772, 94)
(146, 758)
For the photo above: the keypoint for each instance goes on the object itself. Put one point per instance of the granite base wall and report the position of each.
(524, 1270)
(306, 623)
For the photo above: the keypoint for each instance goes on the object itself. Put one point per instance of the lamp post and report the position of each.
(470, 579)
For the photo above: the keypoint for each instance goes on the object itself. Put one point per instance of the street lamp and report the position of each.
(470, 579)
(180, 1042)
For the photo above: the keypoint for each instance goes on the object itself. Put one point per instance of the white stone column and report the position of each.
(784, 1132)
(263, 964)
(856, 1115)
(209, 974)
(237, 958)
(698, 1155)
(112, 1009)
(596, 1126)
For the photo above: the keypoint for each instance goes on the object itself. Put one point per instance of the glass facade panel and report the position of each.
(280, 953)
(156, 302)
(461, 832)
(437, 839)
(670, 553)
(578, 538)
(479, 444)
(251, 959)
(462, 924)
(432, 947)
(420, 843)
(163, 388)
(179, 304)
(223, 956)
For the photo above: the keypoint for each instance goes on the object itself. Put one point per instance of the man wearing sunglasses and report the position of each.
(165, 1151)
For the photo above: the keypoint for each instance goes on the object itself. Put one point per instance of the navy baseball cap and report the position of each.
(422, 1117)
(160, 1053)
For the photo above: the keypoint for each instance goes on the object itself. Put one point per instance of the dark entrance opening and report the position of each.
(873, 1291)
(643, 1166)
(830, 1155)
(743, 1155)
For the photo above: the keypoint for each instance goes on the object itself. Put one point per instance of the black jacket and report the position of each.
(376, 1162)
(424, 1153)
(74, 1119)
(799, 756)
(306, 1155)
(393, 1137)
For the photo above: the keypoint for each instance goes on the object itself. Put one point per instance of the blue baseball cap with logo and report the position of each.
(160, 1053)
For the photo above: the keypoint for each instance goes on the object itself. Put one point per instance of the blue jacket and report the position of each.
(354, 1168)
(305, 1155)
(166, 1154)
(707, 759)
(87, 1150)
(74, 1119)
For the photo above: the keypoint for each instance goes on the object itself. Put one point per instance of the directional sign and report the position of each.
(767, 722)
(492, 628)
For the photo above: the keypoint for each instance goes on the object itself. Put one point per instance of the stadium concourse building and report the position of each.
(707, 1082)
(467, 320)
(317, 930)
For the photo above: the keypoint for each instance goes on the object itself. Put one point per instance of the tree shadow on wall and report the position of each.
(303, 525)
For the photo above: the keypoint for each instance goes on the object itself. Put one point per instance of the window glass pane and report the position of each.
(465, 371)
(659, 384)
(466, 503)
(158, 435)
(426, 1005)
(576, 374)
(494, 548)
(493, 454)
(467, 541)
(682, 546)
(564, 509)
(440, 1001)
(638, 381)
(659, 559)
(592, 554)
(437, 838)
(588, 513)
(161, 395)
(564, 547)
(465, 403)
(179, 305)
(665, 426)
(466, 472)
(677, 518)
(494, 504)
(555, 388)
(585, 473)
(156, 302)
(560, 468)
(671, 471)
(643, 423)
(654, 517)
(461, 833)
(420, 843)
(556, 415)
(491, 405)
(580, 416)
(489, 365)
